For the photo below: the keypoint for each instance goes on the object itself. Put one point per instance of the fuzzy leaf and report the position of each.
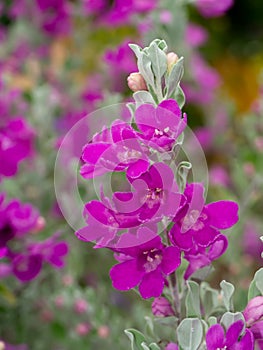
(142, 97)
(227, 292)
(158, 60)
(229, 317)
(192, 300)
(175, 77)
(181, 174)
(179, 96)
(136, 338)
(256, 286)
(190, 333)
(145, 68)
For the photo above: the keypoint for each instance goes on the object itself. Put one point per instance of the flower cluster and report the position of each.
(154, 224)
(20, 254)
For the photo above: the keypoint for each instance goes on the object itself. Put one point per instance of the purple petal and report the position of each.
(152, 284)
(125, 275)
(93, 151)
(172, 106)
(171, 260)
(233, 332)
(27, 267)
(246, 342)
(215, 337)
(222, 214)
(145, 117)
(138, 168)
(181, 240)
(218, 247)
(205, 236)
(196, 262)
(254, 310)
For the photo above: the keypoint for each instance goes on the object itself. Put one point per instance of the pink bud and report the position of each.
(82, 329)
(103, 332)
(80, 306)
(40, 225)
(171, 346)
(161, 307)
(254, 310)
(136, 82)
(259, 144)
(172, 58)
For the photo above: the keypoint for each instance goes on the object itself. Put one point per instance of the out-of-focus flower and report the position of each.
(16, 144)
(103, 332)
(213, 8)
(161, 307)
(219, 176)
(251, 243)
(7, 346)
(82, 328)
(80, 306)
(195, 35)
(148, 265)
(136, 82)
(234, 338)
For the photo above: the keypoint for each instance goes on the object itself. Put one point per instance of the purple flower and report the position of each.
(199, 257)
(253, 314)
(26, 266)
(7, 346)
(161, 126)
(119, 151)
(161, 307)
(148, 265)
(171, 346)
(198, 224)
(213, 8)
(195, 35)
(16, 144)
(252, 245)
(233, 339)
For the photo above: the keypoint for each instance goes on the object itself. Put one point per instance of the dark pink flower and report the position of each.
(26, 266)
(161, 307)
(161, 126)
(199, 224)
(119, 150)
(195, 35)
(16, 144)
(234, 338)
(253, 314)
(213, 8)
(148, 265)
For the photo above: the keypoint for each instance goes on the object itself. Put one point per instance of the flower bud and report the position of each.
(2, 345)
(103, 332)
(136, 82)
(80, 306)
(171, 346)
(161, 307)
(172, 58)
(254, 310)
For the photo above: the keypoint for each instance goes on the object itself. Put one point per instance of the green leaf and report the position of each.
(145, 68)
(159, 62)
(175, 77)
(152, 346)
(192, 300)
(136, 49)
(142, 97)
(227, 292)
(136, 338)
(229, 317)
(256, 286)
(179, 96)
(181, 174)
(212, 320)
(190, 333)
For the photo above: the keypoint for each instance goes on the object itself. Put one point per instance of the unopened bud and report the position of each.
(136, 82)
(40, 225)
(82, 329)
(161, 307)
(103, 332)
(172, 58)
(2, 345)
(254, 310)
(80, 306)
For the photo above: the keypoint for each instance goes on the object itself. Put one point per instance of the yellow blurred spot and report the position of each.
(240, 79)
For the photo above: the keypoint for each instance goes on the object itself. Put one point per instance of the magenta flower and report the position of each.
(148, 265)
(171, 346)
(198, 224)
(119, 151)
(16, 144)
(213, 8)
(199, 257)
(161, 126)
(253, 314)
(195, 35)
(161, 307)
(233, 339)
(26, 267)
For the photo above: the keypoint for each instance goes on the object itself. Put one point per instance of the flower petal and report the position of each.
(126, 276)
(152, 284)
(233, 332)
(171, 260)
(215, 337)
(222, 214)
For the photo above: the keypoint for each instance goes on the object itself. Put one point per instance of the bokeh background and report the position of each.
(63, 59)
